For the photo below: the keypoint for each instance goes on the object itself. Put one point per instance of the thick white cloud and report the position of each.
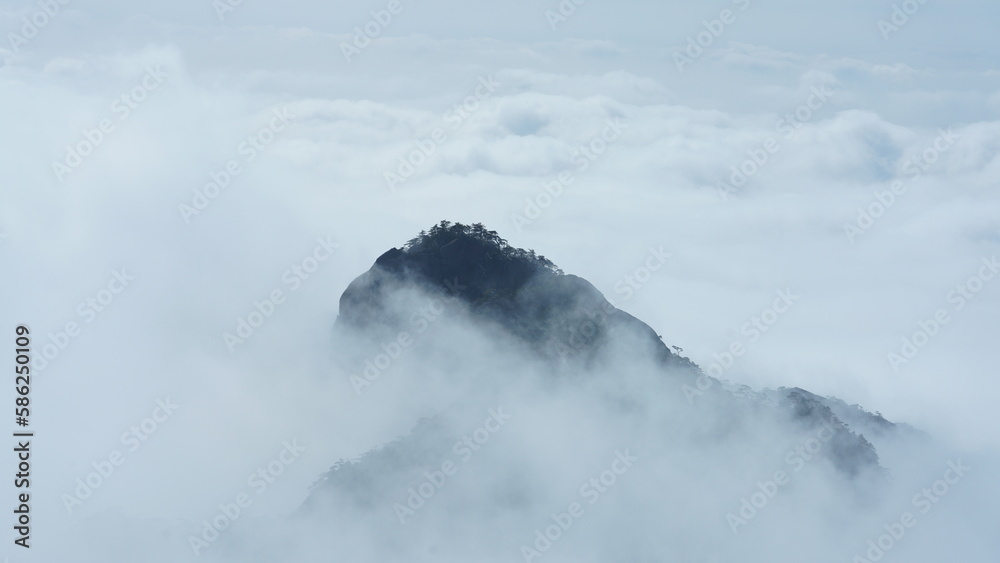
(350, 122)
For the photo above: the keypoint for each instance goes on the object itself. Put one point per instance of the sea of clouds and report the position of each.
(175, 173)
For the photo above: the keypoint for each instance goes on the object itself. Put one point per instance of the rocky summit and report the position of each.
(559, 315)
(579, 350)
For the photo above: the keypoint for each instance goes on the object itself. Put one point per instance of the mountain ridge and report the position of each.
(566, 322)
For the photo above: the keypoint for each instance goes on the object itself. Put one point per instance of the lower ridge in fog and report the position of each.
(551, 414)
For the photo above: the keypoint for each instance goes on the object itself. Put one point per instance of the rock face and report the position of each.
(559, 315)
(562, 320)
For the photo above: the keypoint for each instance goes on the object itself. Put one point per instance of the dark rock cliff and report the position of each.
(559, 315)
(561, 318)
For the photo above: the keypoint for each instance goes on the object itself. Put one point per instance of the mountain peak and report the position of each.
(557, 314)
(576, 370)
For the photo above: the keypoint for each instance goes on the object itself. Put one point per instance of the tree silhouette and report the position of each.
(497, 249)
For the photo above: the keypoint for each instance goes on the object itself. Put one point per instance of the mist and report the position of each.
(190, 188)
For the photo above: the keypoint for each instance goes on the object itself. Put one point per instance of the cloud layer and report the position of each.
(867, 165)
